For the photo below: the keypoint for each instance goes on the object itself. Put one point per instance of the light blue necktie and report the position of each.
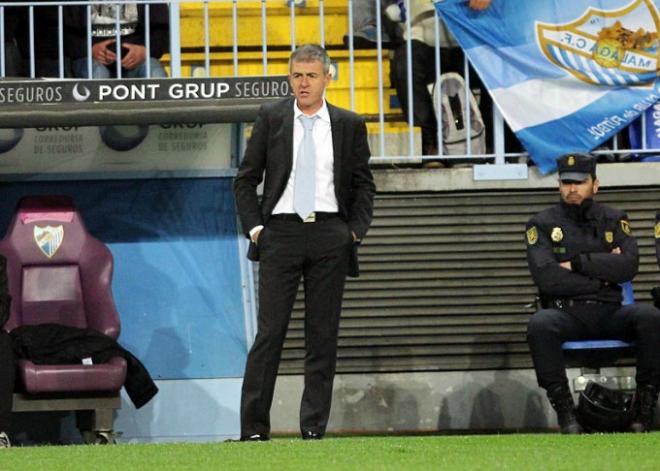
(304, 189)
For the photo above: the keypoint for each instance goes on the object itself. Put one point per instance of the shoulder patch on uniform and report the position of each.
(609, 237)
(625, 227)
(557, 234)
(532, 235)
(657, 230)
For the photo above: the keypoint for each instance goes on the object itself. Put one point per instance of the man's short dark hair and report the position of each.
(311, 53)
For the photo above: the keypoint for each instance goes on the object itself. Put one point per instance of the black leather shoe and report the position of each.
(255, 437)
(309, 435)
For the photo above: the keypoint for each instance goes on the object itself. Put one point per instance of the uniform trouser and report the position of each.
(13, 61)
(549, 328)
(7, 375)
(320, 253)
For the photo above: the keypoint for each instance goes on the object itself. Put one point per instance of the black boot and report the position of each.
(562, 402)
(646, 397)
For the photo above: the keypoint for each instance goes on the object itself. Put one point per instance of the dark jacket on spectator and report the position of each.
(75, 31)
(13, 61)
(46, 42)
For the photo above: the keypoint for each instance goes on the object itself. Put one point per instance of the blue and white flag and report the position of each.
(567, 75)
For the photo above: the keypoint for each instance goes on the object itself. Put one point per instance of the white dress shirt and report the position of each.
(325, 199)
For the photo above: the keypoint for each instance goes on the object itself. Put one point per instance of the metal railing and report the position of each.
(215, 16)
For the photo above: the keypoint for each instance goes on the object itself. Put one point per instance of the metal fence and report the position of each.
(501, 147)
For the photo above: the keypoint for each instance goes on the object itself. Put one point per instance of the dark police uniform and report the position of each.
(657, 237)
(585, 302)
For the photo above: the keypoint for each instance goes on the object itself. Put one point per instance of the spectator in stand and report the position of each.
(422, 34)
(46, 43)
(364, 24)
(12, 56)
(133, 55)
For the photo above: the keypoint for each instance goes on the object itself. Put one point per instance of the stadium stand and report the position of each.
(444, 283)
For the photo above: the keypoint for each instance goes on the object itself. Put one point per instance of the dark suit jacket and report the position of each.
(269, 157)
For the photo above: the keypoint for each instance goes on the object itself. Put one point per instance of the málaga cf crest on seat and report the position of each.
(49, 239)
(606, 47)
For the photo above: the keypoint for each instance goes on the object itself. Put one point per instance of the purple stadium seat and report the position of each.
(58, 273)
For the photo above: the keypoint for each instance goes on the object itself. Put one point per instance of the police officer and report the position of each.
(578, 252)
(655, 292)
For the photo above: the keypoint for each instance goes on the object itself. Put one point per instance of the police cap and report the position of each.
(576, 167)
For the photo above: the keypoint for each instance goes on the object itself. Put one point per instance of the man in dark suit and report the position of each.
(316, 207)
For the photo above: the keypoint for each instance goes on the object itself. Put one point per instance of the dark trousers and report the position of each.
(423, 74)
(47, 67)
(549, 328)
(288, 249)
(7, 375)
(13, 59)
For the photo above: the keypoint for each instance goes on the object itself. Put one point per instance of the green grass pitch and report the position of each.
(483, 452)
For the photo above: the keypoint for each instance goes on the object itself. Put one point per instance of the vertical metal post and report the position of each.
(351, 56)
(234, 29)
(322, 23)
(438, 84)
(60, 40)
(643, 122)
(31, 34)
(147, 37)
(3, 57)
(498, 136)
(467, 112)
(175, 38)
(207, 40)
(89, 42)
(292, 17)
(118, 47)
(409, 84)
(381, 99)
(264, 38)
